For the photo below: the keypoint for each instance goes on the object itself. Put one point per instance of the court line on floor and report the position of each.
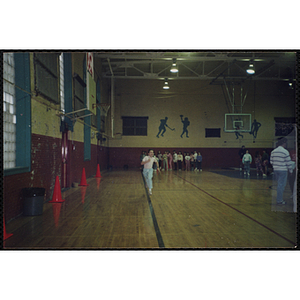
(156, 227)
(266, 227)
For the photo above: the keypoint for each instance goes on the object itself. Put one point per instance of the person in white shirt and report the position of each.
(247, 160)
(195, 160)
(179, 160)
(187, 162)
(282, 164)
(147, 162)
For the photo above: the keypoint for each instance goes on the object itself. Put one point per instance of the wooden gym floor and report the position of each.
(209, 209)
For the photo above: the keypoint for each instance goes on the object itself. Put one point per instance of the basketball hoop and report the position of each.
(237, 122)
(104, 108)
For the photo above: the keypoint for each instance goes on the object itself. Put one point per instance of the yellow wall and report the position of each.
(44, 119)
(205, 107)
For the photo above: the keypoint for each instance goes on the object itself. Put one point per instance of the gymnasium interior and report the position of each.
(76, 123)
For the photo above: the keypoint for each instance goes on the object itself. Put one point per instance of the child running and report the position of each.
(147, 162)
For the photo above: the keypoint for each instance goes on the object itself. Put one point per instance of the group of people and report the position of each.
(261, 161)
(282, 161)
(167, 161)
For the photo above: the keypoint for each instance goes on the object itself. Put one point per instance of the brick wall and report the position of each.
(46, 164)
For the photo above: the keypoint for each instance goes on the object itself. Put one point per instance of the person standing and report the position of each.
(192, 162)
(282, 164)
(165, 161)
(258, 163)
(199, 162)
(175, 160)
(170, 160)
(159, 156)
(183, 161)
(242, 152)
(195, 160)
(247, 160)
(179, 160)
(265, 162)
(187, 161)
(147, 162)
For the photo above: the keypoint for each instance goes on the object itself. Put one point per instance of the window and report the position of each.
(98, 100)
(284, 126)
(135, 126)
(68, 90)
(212, 132)
(61, 83)
(9, 111)
(87, 119)
(16, 113)
(47, 76)
(79, 93)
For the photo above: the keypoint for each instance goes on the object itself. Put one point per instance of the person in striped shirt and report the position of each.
(282, 164)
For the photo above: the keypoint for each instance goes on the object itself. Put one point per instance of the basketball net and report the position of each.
(104, 108)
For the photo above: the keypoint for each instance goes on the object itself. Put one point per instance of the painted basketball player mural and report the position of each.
(237, 132)
(162, 127)
(254, 128)
(185, 123)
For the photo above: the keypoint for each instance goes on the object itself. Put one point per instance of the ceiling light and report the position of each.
(251, 69)
(166, 86)
(174, 68)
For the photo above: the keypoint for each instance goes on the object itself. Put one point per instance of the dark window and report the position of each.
(213, 132)
(135, 125)
(284, 126)
(47, 75)
(79, 93)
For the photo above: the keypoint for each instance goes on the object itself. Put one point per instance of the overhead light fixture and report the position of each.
(251, 69)
(166, 86)
(174, 68)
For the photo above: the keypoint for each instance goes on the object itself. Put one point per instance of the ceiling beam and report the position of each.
(149, 76)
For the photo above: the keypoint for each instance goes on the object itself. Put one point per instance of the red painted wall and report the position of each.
(46, 164)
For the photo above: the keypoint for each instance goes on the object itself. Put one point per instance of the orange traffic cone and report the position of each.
(5, 235)
(98, 174)
(56, 198)
(56, 212)
(83, 179)
(83, 191)
(98, 182)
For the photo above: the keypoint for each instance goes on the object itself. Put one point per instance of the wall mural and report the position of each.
(162, 127)
(254, 128)
(238, 134)
(185, 123)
